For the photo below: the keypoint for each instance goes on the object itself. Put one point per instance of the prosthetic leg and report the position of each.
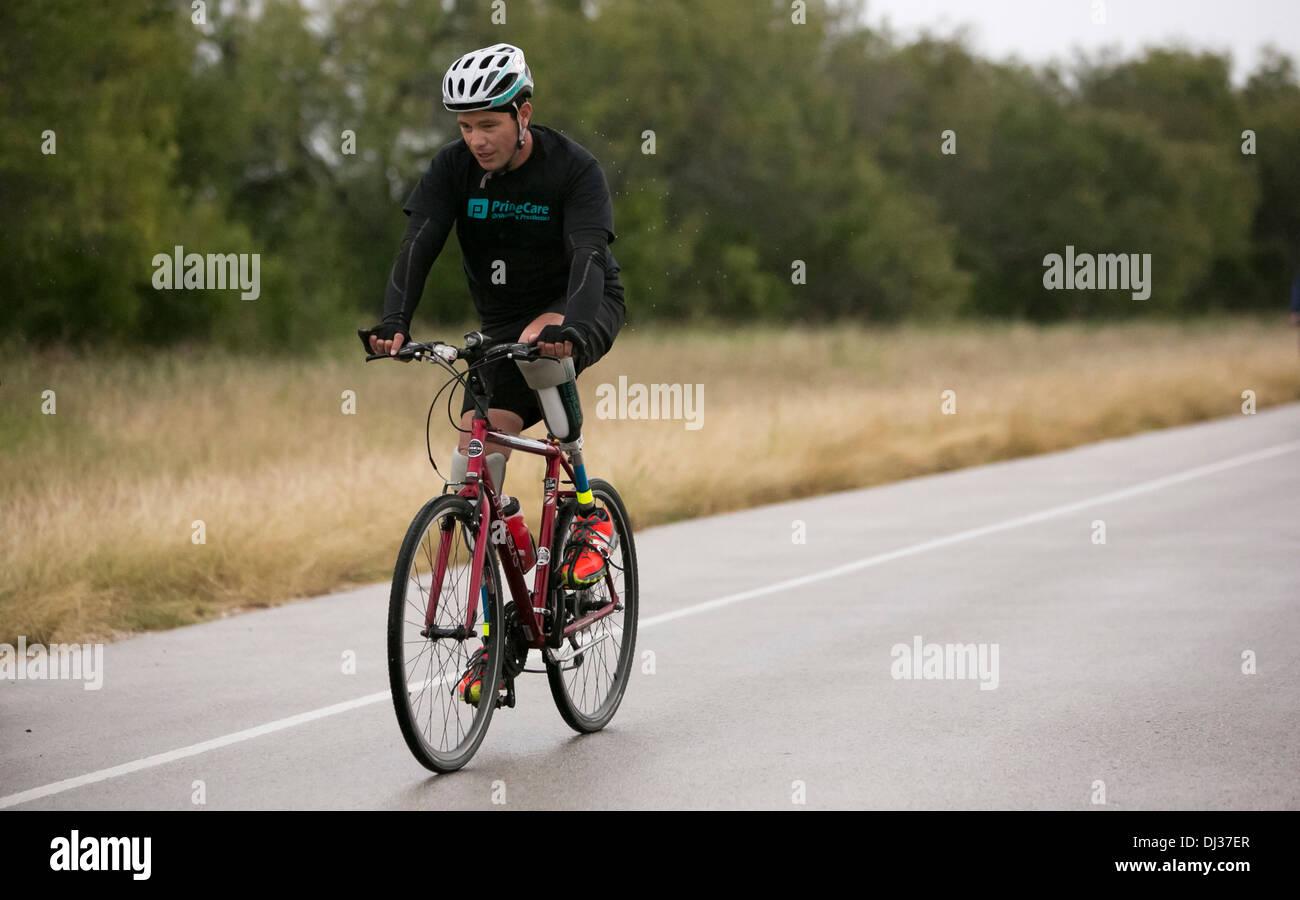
(555, 382)
(496, 464)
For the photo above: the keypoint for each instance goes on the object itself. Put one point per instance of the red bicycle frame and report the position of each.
(480, 490)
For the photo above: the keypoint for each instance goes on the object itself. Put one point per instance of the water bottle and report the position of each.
(525, 545)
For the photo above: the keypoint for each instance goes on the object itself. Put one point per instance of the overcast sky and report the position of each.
(1039, 30)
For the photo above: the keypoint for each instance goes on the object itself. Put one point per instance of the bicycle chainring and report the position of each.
(516, 649)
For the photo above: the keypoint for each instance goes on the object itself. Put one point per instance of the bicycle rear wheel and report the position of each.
(425, 670)
(589, 673)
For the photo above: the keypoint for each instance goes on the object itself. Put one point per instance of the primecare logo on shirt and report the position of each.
(479, 208)
(105, 854)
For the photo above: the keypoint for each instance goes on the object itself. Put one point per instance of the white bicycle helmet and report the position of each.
(489, 78)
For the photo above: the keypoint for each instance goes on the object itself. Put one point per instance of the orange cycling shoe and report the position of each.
(591, 542)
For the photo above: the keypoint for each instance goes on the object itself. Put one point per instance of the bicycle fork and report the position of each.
(477, 588)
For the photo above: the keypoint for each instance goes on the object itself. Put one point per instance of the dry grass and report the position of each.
(297, 498)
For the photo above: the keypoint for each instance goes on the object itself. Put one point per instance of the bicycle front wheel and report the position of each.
(589, 672)
(441, 719)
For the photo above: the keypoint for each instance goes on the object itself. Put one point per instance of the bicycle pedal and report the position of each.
(508, 699)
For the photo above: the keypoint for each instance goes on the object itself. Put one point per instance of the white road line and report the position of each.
(1144, 487)
(159, 759)
(1122, 494)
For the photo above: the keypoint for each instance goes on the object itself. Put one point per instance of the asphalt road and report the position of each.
(766, 668)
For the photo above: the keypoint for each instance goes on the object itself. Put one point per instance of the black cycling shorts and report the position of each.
(506, 383)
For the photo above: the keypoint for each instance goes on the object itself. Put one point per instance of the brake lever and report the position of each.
(419, 351)
(529, 353)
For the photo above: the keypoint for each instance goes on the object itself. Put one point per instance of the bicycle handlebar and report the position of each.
(478, 347)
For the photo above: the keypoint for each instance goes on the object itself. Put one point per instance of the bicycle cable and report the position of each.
(428, 419)
(461, 376)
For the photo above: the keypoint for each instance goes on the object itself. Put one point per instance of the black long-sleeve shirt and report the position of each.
(528, 237)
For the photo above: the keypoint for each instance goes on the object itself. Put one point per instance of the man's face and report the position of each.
(491, 136)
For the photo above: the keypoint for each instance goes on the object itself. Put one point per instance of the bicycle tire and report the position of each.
(406, 619)
(575, 711)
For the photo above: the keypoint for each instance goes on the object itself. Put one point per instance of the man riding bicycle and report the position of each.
(534, 220)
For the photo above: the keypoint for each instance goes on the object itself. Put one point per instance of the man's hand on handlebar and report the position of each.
(385, 340)
(554, 337)
(386, 347)
(545, 330)
(550, 342)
